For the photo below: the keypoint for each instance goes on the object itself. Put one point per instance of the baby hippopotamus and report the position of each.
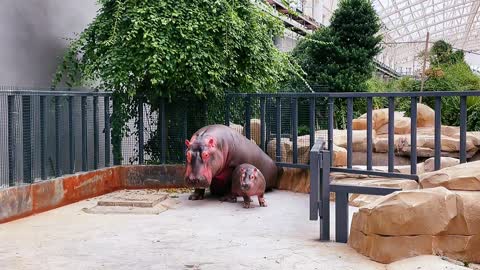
(248, 181)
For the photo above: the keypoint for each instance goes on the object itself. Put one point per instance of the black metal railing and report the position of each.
(270, 109)
(48, 133)
(52, 133)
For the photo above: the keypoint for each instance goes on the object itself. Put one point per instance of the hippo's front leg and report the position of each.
(198, 194)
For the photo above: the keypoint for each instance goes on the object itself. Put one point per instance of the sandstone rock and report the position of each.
(380, 117)
(362, 199)
(387, 249)
(296, 180)
(360, 124)
(448, 144)
(467, 221)
(381, 142)
(399, 213)
(359, 139)
(425, 116)
(255, 128)
(460, 247)
(464, 176)
(445, 162)
(285, 149)
(339, 156)
(402, 126)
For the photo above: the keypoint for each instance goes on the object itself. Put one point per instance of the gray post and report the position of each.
(325, 193)
(11, 140)
(163, 132)
(262, 123)
(57, 136)
(43, 156)
(141, 140)
(106, 108)
(95, 134)
(27, 138)
(84, 135)
(71, 133)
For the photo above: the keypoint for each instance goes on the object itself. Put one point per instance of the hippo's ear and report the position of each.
(187, 143)
(255, 172)
(211, 142)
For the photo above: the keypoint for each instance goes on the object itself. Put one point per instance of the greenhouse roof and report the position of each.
(405, 24)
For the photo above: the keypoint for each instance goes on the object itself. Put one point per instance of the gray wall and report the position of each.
(32, 37)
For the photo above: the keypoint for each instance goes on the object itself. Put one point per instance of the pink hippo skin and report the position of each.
(214, 152)
(248, 181)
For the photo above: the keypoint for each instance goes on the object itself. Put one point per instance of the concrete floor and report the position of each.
(197, 235)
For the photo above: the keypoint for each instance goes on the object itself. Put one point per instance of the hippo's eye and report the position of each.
(205, 155)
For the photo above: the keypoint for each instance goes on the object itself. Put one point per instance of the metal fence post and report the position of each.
(227, 110)
(413, 136)
(278, 128)
(349, 132)
(163, 132)
(84, 134)
(71, 133)
(106, 104)
(43, 156)
(326, 160)
(369, 133)
(141, 140)
(57, 136)
(95, 134)
(391, 134)
(11, 140)
(438, 132)
(262, 123)
(312, 121)
(247, 116)
(27, 138)
(295, 129)
(463, 129)
(331, 109)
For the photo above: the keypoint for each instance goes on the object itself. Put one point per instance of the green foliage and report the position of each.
(177, 49)
(341, 55)
(442, 54)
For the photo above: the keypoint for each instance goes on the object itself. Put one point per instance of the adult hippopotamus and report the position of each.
(214, 152)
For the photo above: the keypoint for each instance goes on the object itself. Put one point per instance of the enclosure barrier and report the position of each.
(320, 156)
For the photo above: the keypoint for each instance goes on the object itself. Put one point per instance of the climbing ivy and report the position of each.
(175, 49)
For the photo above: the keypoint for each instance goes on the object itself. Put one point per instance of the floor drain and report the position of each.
(133, 202)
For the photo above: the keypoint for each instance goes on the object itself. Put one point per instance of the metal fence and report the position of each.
(321, 155)
(50, 133)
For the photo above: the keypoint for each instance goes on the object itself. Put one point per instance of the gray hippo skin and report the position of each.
(214, 152)
(248, 181)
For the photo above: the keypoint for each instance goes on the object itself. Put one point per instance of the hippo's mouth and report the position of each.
(197, 182)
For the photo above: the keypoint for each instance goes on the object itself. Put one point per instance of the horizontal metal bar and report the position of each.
(375, 173)
(291, 165)
(52, 93)
(362, 94)
(362, 189)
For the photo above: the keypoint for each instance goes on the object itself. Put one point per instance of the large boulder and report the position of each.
(380, 117)
(402, 125)
(400, 213)
(464, 248)
(411, 223)
(425, 116)
(359, 139)
(467, 221)
(445, 162)
(464, 176)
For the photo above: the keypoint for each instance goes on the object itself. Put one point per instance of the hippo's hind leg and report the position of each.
(246, 202)
(198, 194)
(261, 200)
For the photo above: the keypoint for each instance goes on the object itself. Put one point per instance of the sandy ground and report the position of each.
(203, 235)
